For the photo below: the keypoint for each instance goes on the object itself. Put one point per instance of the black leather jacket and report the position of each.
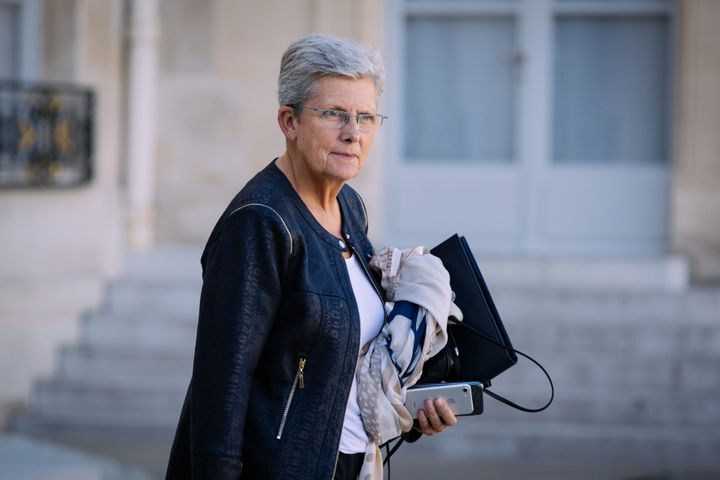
(277, 340)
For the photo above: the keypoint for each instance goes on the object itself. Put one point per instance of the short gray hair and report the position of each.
(319, 55)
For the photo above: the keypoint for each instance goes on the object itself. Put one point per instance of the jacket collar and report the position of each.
(336, 243)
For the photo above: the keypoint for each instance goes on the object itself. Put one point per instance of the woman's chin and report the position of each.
(344, 169)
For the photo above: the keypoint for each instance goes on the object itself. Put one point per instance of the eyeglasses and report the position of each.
(367, 122)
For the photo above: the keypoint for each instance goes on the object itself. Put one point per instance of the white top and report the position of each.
(353, 438)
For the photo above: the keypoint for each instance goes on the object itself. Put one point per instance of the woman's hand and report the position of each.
(435, 416)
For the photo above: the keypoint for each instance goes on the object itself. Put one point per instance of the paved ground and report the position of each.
(419, 463)
(141, 454)
(24, 458)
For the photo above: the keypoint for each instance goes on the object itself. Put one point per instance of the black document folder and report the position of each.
(482, 357)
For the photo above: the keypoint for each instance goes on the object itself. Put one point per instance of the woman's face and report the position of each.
(335, 154)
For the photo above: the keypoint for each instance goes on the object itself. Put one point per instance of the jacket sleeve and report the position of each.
(243, 268)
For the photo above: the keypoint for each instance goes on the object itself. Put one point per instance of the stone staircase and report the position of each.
(637, 373)
(133, 361)
(637, 378)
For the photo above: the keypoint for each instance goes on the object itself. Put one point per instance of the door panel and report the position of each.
(606, 185)
(483, 204)
(594, 203)
(610, 96)
(470, 60)
(456, 167)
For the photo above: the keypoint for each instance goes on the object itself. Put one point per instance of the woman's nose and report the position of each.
(351, 129)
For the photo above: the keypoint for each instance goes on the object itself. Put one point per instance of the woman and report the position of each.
(287, 298)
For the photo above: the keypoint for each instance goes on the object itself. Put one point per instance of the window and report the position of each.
(606, 81)
(611, 89)
(460, 89)
(20, 38)
(9, 40)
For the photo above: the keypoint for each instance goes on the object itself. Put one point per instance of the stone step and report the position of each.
(122, 400)
(627, 406)
(127, 297)
(592, 369)
(664, 272)
(541, 334)
(519, 306)
(629, 339)
(661, 446)
(169, 358)
(173, 362)
(84, 403)
(40, 422)
(688, 307)
(161, 330)
(532, 322)
(586, 307)
(165, 263)
(125, 366)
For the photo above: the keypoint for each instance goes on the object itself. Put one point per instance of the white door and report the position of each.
(535, 127)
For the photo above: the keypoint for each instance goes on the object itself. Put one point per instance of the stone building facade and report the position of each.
(185, 114)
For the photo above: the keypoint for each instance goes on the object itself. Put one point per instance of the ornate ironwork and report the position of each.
(46, 135)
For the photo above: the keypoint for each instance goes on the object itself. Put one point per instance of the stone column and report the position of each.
(696, 196)
(143, 36)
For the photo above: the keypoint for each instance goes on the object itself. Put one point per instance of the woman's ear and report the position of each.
(287, 122)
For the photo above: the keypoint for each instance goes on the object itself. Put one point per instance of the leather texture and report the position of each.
(275, 291)
(485, 356)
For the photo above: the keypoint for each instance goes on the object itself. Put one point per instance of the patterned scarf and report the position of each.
(419, 302)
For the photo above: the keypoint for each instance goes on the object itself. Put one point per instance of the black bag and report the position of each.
(444, 365)
(469, 357)
(478, 348)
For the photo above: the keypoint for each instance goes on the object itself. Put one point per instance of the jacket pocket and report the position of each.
(298, 382)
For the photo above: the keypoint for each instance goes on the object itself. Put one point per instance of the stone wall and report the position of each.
(58, 246)
(218, 99)
(696, 219)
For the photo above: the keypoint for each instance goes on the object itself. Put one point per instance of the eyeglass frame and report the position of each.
(345, 115)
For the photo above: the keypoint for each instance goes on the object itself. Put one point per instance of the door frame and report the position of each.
(535, 21)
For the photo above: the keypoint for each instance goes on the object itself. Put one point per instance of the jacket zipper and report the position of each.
(298, 382)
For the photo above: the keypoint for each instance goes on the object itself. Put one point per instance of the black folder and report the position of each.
(482, 357)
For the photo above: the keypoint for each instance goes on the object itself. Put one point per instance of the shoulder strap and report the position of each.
(501, 398)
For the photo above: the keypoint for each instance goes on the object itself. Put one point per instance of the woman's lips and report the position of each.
(346, 155)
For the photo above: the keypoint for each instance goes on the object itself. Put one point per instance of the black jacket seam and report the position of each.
(282, 220)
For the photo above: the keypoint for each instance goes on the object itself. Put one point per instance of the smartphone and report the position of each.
(463, 398)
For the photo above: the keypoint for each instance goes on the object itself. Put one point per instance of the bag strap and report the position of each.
(391, 451)
(518, 352)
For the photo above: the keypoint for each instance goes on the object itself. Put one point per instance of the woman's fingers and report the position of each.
(445, 412)
(425, 423)
(436, 416)
(436, 422)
